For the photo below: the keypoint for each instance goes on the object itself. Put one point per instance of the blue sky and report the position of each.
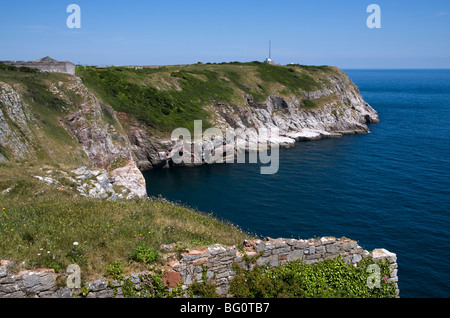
(413, 34)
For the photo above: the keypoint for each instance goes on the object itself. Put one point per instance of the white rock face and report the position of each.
(340, 110)
(131, 178)
(14, 112)
(104, 141)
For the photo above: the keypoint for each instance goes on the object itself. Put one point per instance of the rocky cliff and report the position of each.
(332, 109)
(54, 118)
(120, 120)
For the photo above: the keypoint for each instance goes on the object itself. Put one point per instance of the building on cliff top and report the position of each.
(46, 64)
(269, 59)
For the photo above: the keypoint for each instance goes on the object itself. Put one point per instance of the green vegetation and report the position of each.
(4, 67)
(47, 110)
(289, 77)
(145, 254)
(39, 226)
(309, 104)
(175, 96)
(203, 289)
(151, 286)
(331, 278)
(115, 270)
(162, 109)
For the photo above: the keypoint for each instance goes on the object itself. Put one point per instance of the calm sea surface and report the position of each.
(389, 188)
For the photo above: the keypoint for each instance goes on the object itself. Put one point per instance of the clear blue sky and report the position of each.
(413, 34)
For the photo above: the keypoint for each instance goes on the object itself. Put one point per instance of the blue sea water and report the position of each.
(387, 189)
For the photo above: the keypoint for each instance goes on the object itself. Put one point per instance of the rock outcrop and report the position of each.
(15, 121)
(83, 118)
(338, 109)
(125, 147)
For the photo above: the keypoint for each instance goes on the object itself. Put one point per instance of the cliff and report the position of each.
(54, 119)
(120, 120)
(91, 135)
(303, 102)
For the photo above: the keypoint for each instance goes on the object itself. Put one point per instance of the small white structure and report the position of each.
(269, 59)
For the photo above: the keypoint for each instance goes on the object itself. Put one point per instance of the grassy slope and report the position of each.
(174, 96)
(40, 223)
(50, 140)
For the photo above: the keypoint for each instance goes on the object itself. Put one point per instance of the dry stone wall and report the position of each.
(218, 260)
(215, 261)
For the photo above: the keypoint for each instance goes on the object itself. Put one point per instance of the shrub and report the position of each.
(144, 254)
(332, 278)
(309, 104)
(115, 270)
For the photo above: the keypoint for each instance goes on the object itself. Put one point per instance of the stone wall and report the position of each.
(216, 260)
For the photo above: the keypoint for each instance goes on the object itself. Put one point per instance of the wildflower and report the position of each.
(75, 243)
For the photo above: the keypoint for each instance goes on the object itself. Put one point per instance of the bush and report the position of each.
(144, 254)
(115, 270)
(327, 279)
(309, 104)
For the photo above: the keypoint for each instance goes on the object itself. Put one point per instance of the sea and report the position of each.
(386, 189)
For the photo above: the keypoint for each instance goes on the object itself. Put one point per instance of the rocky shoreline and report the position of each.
(126, 147)
(342, 111)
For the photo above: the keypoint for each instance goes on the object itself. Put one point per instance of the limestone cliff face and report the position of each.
(340, 109)
(96, 128)
(72, 125)
(337, 109)
(15, 118)
(81, 132)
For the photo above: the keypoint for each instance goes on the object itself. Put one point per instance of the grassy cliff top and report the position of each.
(174, 96)
(39, 224)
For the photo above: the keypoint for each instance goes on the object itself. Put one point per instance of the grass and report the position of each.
(175, 96)
(39, 224)
(42, 231)
(46, 135)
